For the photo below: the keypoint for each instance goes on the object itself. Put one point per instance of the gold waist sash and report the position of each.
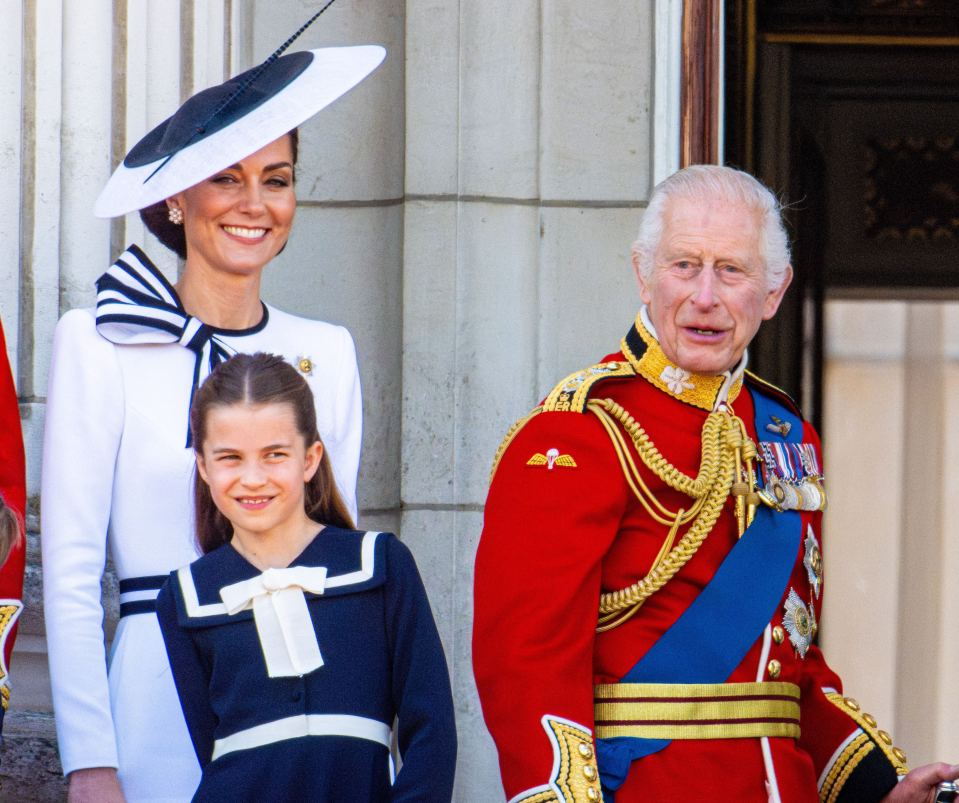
(697, 710)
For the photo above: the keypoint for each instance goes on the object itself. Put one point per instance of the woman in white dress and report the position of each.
(117, 463)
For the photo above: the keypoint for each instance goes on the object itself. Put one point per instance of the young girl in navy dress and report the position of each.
(296, 641)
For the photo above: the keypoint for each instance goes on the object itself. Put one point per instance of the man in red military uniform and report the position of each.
(650, 578)
(13, 489)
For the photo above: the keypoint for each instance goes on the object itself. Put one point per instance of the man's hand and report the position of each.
(95, 785)
(919, 786)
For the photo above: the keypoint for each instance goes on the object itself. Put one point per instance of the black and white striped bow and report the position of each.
(136, 304)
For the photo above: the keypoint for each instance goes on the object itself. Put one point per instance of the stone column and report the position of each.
(344, 261)
(527, 162)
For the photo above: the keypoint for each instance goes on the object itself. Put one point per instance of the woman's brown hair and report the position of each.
(254, 380)
(11, 530)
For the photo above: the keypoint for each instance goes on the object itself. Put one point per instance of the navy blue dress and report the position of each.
(382, 660)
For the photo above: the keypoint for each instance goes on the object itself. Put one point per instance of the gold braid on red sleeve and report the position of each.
(869, 738)
(576, 775)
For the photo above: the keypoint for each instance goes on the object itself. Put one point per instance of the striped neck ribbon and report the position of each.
(137, 305)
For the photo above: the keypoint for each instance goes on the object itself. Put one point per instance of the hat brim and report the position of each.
(333, 72)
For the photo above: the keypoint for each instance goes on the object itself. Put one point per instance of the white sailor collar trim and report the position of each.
(200, 583)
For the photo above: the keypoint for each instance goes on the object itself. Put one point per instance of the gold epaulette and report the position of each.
(572, 394)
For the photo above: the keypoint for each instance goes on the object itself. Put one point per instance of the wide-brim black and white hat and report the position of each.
(220, 126)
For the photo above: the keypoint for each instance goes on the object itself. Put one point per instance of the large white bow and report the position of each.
(136, 304)
(281, 615)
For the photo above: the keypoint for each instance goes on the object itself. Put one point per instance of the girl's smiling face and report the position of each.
(256, 464)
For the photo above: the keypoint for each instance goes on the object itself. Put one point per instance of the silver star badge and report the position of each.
(812, 560)
(800, 623)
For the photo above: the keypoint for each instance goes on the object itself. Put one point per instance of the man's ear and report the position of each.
(775, 296)
(638, 273)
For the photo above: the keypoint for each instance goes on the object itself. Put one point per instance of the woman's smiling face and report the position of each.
(239, 218)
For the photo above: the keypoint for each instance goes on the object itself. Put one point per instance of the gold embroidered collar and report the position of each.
(700, 390)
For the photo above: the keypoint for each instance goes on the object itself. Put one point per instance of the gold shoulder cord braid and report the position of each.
(726, 467)
(508, 439)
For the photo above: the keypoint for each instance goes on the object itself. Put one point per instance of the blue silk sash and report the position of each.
(713, 635)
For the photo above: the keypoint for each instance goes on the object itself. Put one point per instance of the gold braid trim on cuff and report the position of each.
(848, 760)
(546, 796)
(9, 613)
(870, 738)
(725, 466)
(576, 775)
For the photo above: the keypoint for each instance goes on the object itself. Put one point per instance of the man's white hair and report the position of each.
(725, 185)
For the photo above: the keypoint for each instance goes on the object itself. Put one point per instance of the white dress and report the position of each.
(116, 469)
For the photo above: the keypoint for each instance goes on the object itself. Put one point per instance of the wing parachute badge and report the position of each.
(551, 459)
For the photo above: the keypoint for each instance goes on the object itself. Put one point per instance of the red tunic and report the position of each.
(14, 490)
(556, 536)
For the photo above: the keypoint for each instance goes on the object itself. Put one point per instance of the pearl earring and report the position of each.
(175, 215)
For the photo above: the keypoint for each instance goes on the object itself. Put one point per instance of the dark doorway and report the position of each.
(850, 110)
